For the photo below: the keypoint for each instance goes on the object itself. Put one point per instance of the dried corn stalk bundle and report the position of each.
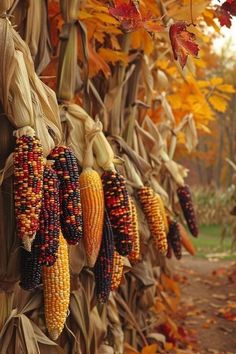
(118, 207)
(92, 199)
(104, 264)
(153, 211)
(28, 184)
(31, 268)
(66, 166)
(185, 200)
(174, 239)
(117, 270)
(49, 228)
(56, 287)
(134, 255)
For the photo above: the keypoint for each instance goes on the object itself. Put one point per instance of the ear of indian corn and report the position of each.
(185, 239)
(174, 239)
(67, 168)
(164, 215)
(31, 268)
(135, 252)
(56, 287)
(117, 270)
(92, 199)
(186, 203)
(28, 184)
(153, 211)
(49, 218)
(104, 264)
(118, 207)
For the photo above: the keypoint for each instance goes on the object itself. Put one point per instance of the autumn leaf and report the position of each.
(225, 12)
(182, 42)
(150, 349)
(131, 18)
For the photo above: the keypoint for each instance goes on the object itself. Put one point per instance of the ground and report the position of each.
(208, 303)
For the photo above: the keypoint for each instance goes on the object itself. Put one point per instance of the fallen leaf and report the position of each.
(182, 42)
(150, 349)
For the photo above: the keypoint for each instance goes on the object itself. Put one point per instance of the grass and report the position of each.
(210, 243)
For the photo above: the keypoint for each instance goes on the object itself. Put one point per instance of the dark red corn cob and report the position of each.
(118, 208)
(185, 200)
(169, 250)
(174, 239)
(49, 218)
(28, 184)
(67, 168)
(31, 268)
(104, 264)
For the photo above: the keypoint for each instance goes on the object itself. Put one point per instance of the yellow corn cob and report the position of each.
(117, 271)
(164, 216)
(92, 200)
(56, 285)
(135, 251)
(152, 209)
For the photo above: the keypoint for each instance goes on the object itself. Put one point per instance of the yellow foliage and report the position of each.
(218, 103)
(113, 56)
(150, 349)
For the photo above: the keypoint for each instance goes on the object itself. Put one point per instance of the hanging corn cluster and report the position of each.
(31, 268)
(49, 228)
(135, 251)
(28, 184)
(174, 239)
(118, 207)
(56, 287)
(66, 166)
(104, 264)
(92, 200)
(153, 209)
(186, 203)
(117, 271)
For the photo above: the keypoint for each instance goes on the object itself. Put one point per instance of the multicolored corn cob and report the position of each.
(56, 287)
(31, 268)
(92, 199)
(49, 228)
(153, 211)
(135, 252)
(117, 204)
(104, 264)
(66, 166)
(174, 239)
(28, 184)
(117, 271)
(164, 215)
(186, 203)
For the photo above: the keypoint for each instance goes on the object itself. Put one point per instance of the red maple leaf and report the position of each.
(130, 17)
(225, 12)
(182, 42)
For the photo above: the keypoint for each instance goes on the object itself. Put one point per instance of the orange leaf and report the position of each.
(170, 284)
(150, 349)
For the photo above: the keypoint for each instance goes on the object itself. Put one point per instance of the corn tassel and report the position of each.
(152, 209)
(56, 286)
(135, 252)
(28, 184)
(117, 271)
(117, 204)
(186, 203)
(104, 264)
(92, 199)
(67, 168)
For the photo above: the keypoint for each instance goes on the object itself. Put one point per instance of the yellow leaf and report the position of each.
(107, 19)
(203, 84)
(113, 56)
(226, 88)
(204, 128)
(150, 349)
(170, 284)
(168, 346)
(215, 81)
(218, 103)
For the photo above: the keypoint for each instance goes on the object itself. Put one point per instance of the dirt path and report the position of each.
(208, 303)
